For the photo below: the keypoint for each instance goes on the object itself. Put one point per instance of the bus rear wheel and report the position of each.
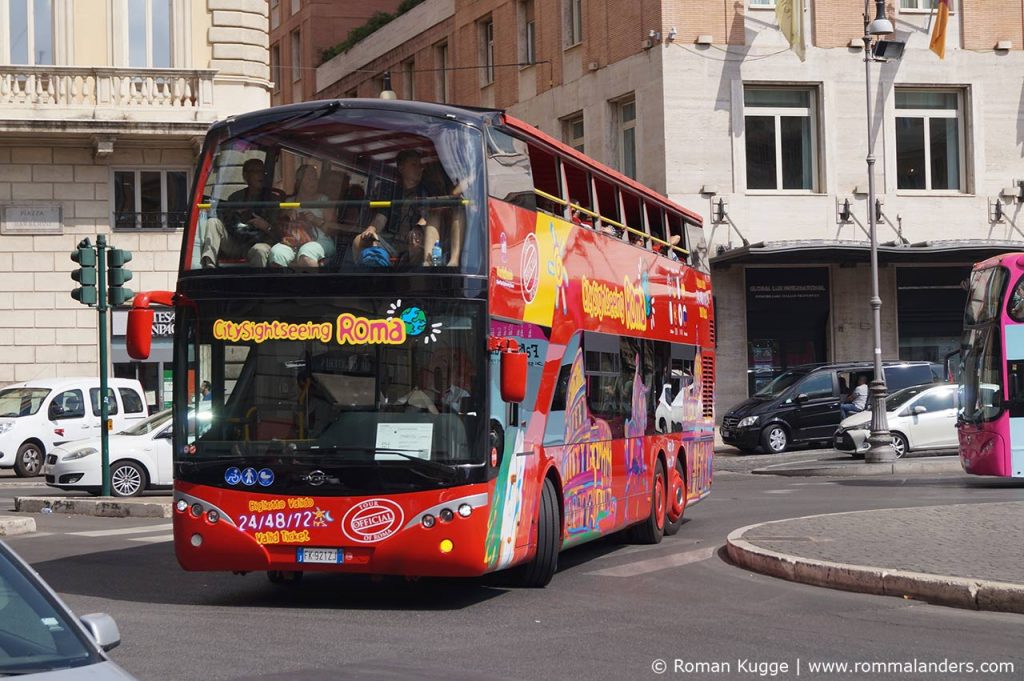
(651, 530)
(676, 505)
(541, 568)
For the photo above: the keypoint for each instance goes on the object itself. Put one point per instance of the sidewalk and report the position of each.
(965, 555)
(106, 507)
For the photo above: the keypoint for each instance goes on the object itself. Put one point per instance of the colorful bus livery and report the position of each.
(991, 421)
(543, 377)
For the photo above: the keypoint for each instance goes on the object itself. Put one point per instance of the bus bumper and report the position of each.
(365, 535)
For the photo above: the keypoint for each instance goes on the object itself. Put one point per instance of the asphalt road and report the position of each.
(610, 613)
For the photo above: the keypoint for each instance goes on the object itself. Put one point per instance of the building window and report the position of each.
(527, 33)
(781, 138)
(150, 199)
(149, 33)
(409, 79)
(275, 66)
(30, 24)
(296, 4)
(487, 42)
(929, 140)
(275, 14)
(573, 22)
(572, 131)
(919, 5)
(442, 72)
(626, 120)
(296, 55)
(762, 4)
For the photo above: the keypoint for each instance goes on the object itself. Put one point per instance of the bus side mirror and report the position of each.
(139, 335)
(513, 376)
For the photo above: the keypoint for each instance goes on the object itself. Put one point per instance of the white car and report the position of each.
(35, 416)
(670, 413)
(919, 417)
(140, 459)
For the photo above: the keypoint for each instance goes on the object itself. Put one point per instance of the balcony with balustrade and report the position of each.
(105, 99)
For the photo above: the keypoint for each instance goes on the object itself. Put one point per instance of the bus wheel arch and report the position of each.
(675, 506)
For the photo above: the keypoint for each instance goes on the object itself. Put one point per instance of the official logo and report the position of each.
(373, 520)
(529, 266)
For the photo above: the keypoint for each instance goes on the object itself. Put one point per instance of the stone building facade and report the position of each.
(103, 108)
(709, 104)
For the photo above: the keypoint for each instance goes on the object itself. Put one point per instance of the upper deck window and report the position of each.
(350, 190)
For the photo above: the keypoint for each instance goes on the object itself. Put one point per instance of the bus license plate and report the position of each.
(305, 554)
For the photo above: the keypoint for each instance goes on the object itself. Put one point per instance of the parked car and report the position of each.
(919, 417)
(140, 459)
(36, 416)
(801, 405)
(41, 638)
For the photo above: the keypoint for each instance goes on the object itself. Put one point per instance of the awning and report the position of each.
(826, 251)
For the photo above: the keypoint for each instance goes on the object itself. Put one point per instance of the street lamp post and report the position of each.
(881, 450)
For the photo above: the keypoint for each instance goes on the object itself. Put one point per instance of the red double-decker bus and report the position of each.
(415, 339)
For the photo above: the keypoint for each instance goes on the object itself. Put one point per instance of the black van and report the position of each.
(801, 405)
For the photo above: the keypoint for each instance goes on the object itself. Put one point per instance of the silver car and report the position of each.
(41, 638)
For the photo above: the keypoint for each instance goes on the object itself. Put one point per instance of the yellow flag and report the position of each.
(938, 43)
(790, 14)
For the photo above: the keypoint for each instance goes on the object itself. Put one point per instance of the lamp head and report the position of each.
(880, 25)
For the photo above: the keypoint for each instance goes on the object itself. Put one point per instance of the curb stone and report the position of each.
(960, 592)
(944, 465)
(104, 508)
(11, 526)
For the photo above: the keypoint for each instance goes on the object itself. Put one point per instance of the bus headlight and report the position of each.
(428, 521)
(446, 515)
(212, 516)
(181, 505)
(465, 510)
(197, 510)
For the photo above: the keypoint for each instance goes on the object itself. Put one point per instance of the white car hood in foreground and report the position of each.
(94, 442)
(103, 671)
(857, 419)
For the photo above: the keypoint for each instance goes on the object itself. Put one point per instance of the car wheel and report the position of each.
(899, 445)
(29, 460)
(774, 439)
(127, 479)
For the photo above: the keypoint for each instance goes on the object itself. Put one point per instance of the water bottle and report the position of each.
(436, 254)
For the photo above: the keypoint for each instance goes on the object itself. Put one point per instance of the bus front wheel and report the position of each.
(541, 568)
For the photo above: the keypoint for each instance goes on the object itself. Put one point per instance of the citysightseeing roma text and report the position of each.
(626, 304)
(351, 330)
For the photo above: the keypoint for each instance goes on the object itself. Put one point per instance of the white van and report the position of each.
(36, 416)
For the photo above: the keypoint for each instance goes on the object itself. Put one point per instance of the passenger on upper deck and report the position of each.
(243, 232)
(306, 238)
(408, 227)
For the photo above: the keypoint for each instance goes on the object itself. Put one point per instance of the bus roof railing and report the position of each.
(586, 211)
(290, 205)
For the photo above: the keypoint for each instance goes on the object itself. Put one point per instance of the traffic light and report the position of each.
(117, 275)
(85, 275)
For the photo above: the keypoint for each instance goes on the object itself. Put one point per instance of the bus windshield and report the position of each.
(985, 296)
(342, 189)
(338, 380)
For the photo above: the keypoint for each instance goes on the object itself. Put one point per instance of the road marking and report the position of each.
(779, 491)
(641, 567)
(29, 536)
(123, 530)
(153, 540)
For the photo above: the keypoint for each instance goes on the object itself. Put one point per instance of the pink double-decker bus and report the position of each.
(991, 422)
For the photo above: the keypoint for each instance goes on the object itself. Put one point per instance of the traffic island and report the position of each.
(105, 507)
(10, 525)
(903, 552)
